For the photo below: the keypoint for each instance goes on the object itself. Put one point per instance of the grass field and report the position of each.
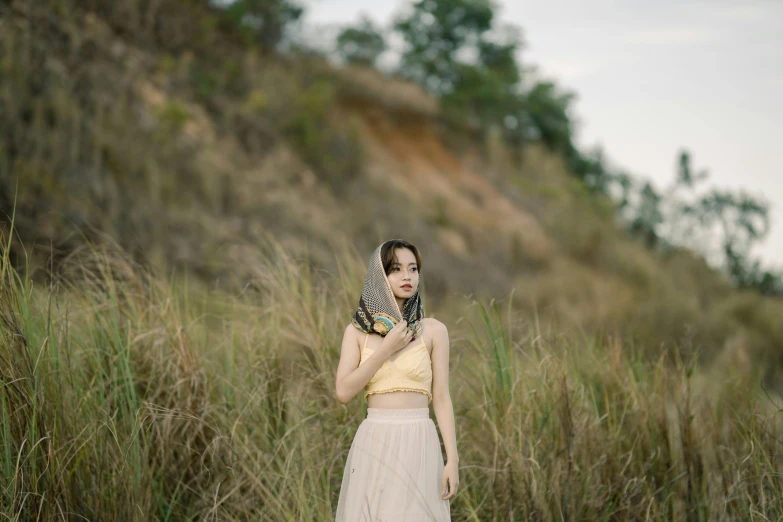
(131, 393)
(128, 395)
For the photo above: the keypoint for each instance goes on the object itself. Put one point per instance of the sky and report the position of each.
(653, 77)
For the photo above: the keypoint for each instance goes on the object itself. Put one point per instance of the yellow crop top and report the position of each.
(410, 371)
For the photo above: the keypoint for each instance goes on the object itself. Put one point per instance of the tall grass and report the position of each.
(130, 396)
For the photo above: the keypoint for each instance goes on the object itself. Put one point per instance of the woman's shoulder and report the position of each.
(434, 324)
(353, 333)
(350, 329)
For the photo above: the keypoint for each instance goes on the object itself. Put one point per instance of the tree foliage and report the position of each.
(438, 36)
(362, 44)
(547, 108)
(724, 225)
(263, 21)
(456, 50)
(648, 216)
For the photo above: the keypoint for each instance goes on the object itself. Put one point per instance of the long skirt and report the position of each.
(394, 470)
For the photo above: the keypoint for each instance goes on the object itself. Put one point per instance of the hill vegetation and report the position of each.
(187, 197)
(189, 140)
(127, 396)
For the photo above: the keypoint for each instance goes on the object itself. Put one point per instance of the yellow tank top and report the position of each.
(410, 371)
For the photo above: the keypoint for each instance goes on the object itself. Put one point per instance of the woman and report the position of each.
(395, 471)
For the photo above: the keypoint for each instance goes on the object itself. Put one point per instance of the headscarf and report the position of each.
(378, 311)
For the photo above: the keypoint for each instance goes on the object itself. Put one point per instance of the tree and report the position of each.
(361, 45)
(737, 220)
(648, 215)
(742, 221)
(264, 20)
(685, 176)
(722, 225)
(546, 113)
(455, 51)
(487, 90)
(436, 33)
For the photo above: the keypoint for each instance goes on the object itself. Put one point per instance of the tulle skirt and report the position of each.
(394, 470)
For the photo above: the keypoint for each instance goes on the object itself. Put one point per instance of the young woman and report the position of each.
(395, 471)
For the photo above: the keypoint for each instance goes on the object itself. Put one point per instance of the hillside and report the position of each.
(163, 131)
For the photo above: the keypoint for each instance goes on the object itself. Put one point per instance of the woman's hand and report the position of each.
(397, 338)
(450, 476)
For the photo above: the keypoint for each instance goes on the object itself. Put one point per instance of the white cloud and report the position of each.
(567, 70)
(674, 36)
(745, 12)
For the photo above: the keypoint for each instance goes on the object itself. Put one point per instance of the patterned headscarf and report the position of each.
(378, 311)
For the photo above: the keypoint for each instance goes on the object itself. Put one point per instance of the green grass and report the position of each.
(130, 396)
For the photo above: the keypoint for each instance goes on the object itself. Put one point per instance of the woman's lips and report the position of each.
(407, 287)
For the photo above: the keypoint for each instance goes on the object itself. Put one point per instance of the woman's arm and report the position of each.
(351, 377)
(441, 404)
(441, 398)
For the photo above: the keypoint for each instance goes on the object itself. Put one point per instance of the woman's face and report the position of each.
(403, 275)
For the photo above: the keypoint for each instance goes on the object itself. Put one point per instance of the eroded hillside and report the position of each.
(189, 148)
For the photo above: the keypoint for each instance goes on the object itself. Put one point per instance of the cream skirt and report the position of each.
(394, 469)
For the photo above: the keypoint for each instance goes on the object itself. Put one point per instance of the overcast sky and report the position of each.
(651, 77)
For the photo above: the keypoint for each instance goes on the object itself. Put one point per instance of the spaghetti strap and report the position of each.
(365, 340)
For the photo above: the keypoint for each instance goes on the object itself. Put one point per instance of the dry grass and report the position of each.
(126, 396)
(369, 86)
(188, 146)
